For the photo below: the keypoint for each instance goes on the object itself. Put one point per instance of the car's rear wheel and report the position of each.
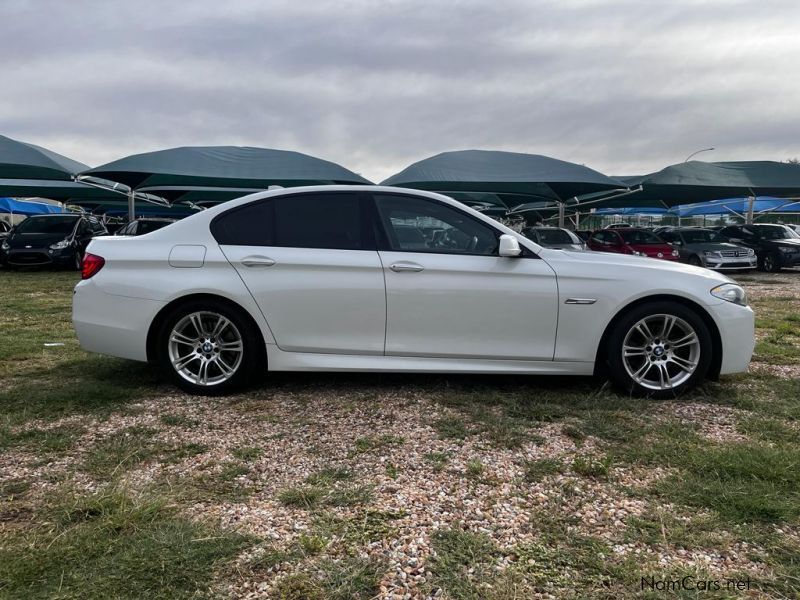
(208, 348)
(771, 263)
(660, 350)
(695, 260)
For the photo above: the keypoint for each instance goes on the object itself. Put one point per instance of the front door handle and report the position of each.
(257, 261)
(406, 266)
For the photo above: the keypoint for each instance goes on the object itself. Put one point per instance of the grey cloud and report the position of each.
(620, 86)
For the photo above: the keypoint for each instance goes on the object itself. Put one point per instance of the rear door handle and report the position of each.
(257, 261)
(406, 266)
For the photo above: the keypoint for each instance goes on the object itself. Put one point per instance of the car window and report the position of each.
(640, 236)
(55, 225)
(555, 236)
(330, 221)
(605, 237)
(701, 236)
(771, 232)
(420, 225)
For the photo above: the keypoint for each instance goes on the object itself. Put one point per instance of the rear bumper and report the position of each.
(736, 325)
(111, 324)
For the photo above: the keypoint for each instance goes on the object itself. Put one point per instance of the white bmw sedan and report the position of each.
(370, 278)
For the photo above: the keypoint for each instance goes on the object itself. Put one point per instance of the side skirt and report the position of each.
(278, 360)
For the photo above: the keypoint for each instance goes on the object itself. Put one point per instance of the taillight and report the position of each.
(91, 264)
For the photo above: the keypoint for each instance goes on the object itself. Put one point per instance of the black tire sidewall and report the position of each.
(776, 263)
(695, 261)
(617, 372)
(251, 360)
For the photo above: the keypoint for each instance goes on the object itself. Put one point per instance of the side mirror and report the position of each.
(509, 246)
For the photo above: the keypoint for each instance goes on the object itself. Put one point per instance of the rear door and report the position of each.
(310, 262)
(449, 293)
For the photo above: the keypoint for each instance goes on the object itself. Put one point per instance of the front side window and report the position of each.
(555, 236)
(330, 221)
(420, 225)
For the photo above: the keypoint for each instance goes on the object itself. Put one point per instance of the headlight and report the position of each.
(710, 252)
(730, 292)
(675, 253)
(637, 253)
(5, 246)
(751, 252)
(60, 245)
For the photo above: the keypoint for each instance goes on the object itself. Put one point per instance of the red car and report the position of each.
(630, 240)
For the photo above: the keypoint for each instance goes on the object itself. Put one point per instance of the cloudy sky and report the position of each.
(625, 87)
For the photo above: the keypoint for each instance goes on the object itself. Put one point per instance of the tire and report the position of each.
(695, 260)
(227, 359)
(771, 263)
(663, 358)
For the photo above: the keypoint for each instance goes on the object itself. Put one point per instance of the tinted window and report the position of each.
(302, 221)
(771, 232)
(701, 236)
(318, 221)
(555, 236)
(605, 237)
(248, 225)
(639, 236)
(148, 226)
(419, 225)
(63, 225)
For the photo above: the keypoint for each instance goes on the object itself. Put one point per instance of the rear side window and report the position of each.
(332, 221)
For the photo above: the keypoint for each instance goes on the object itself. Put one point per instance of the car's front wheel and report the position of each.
(208, 348)
(771, 263)
(660, 349)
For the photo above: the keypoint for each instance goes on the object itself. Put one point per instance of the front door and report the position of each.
(311, 265)
(449, 294)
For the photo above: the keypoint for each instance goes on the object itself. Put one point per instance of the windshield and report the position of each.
(773, 232)
(51, 225)
(638, 236)
(554, 236)
(701, 236)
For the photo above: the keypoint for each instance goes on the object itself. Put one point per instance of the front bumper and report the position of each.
(730, 263)
(789, 259)
(38, 257)
(112, 324)
(736, 326)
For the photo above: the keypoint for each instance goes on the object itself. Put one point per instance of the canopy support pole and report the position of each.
(561, 214)
(131, 205)
(751, 199)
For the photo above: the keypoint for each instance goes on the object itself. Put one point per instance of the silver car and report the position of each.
(707, 248)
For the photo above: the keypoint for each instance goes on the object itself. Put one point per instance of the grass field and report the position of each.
(114, 484)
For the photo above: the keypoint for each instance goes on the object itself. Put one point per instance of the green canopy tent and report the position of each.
(245, 168)
(516, 178)
(698, 181)
(20, 160)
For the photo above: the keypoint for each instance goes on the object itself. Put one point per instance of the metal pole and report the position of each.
(131, 205)
(561, 214)
(750, 203)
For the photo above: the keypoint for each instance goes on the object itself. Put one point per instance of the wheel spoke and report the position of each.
(682, 363)
(182, 362)
(634, 351)
(642, 371)
(202, 372)
(644, 330)
(220, 326)
(180, 338)
(686, 340)
(231, 346)
(227, 370)
(669, 322)
(197, 322)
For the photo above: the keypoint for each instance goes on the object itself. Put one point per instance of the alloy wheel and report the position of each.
(205, 348)
(661, 352)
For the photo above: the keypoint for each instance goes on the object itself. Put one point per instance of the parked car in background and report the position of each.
(144, 225)
(630, 240)
(795, 228)
(554, 237)
(50, 240)
(776, 246)
(707, 248)
(584, 234)
(324, 278)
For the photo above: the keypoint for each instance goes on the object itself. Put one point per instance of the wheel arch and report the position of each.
(716, 339)
(158, 320)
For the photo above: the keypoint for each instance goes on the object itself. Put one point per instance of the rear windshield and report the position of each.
(701, 236)
(63, 225)
(638, 236)
(554, 236)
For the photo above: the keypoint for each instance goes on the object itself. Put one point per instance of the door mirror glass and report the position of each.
(509, 246)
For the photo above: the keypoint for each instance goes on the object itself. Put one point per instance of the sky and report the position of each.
(625, 87)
